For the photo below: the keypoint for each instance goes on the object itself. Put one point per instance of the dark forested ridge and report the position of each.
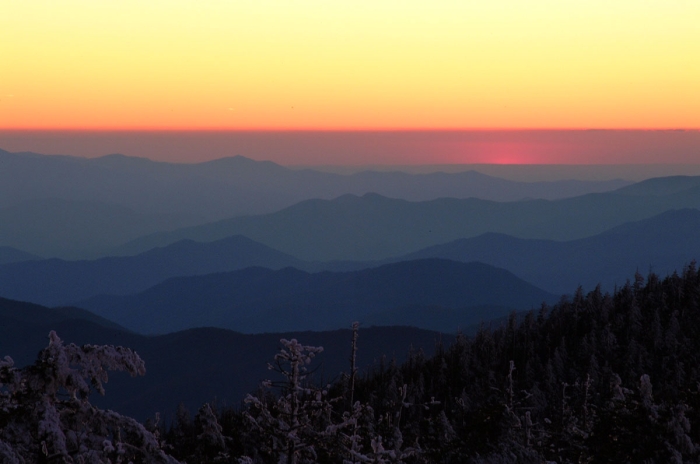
(595, 378)
(257, 300)
(193, 366)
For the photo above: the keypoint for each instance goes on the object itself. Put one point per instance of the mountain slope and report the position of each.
(661, 186)
(57, 282)
(21, 311)
(261, 300)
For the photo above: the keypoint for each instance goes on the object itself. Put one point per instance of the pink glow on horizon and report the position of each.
(373, 147)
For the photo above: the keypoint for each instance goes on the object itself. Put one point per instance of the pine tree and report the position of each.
(294, 425)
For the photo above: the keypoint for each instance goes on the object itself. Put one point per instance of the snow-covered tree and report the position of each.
(297, 424)
(46, 416)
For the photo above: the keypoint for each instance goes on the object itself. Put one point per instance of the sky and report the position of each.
(365, 65)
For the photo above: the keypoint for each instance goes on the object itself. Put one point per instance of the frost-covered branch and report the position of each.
(45, 409)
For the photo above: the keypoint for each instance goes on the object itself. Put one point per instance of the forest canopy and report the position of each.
(594, 378)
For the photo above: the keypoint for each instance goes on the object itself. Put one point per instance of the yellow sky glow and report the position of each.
(365, 64)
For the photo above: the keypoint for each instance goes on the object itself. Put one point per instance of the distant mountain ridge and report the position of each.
(56, 282)
(662, 244)
(373, 227)
(132, 197)
(347, 227)
(21, 311)
(256, 300)
(661, 186)
(13, 255)
(77, 229)
(238, 185)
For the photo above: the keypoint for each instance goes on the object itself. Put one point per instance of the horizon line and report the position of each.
(300, 130)
(369, 165)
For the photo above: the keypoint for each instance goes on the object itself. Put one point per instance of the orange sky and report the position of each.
(366, 64)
